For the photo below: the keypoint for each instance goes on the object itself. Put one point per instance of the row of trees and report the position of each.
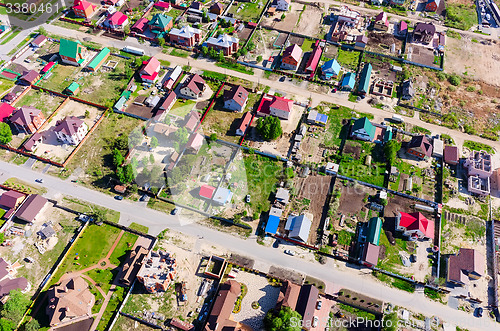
(13, 311)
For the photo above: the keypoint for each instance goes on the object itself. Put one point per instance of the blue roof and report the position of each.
(349, 80)
(364, 80)
(272, 224)
(331, 67)
(321, 118)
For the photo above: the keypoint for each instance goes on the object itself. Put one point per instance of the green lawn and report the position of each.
(461, 16)
(5, 85)
(114, 302)
(88, 208)
(40, 100)
(92, 246)
(124, 245)
(307, 45)
(11, 36)
(139, 227)
(99, 299)
(348, 59)
(23, 186)
(179, 53)
(182, 107)
(160, 205)
(249, 13)
(353, 167)
(103, 277)
(477, 146)
(392, 258)
(2, 212)
(403, 168)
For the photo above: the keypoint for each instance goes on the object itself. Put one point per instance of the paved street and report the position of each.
(353, 279)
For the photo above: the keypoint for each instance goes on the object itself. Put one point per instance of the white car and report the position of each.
(289, 252)
(315, 321)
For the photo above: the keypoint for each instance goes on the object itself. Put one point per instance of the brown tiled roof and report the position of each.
(69, 125)
(133, 264)
(236, 93)
(30, 76)
(451, 154)
(72, 298)
(9, 198)
(421, 144)
(289, 294)
(467, 260)
(25, 115)
(9, 284)
(31, 207)
(195, 83)
(223, 307)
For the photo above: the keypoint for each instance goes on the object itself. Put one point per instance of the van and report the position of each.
(397, 119)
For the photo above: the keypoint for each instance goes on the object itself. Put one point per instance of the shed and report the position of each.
(273, 220)
(72, 89)
(374, 228)
(437, 147)
(222, 196)
(451, 155)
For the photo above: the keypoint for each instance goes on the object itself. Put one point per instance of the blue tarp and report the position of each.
(272, 224)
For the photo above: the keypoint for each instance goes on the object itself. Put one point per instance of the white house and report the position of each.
(71, 130)
(280, 107)
(236, 98)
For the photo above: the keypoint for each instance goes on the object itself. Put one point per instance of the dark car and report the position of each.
(282, 78)
(118, 197)
(413, 258)
(39, 180)
(479, 312)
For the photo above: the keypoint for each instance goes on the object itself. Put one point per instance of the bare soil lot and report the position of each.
(480, 60)
(46, 102)
(421, 55)
(352, 199)
(290, 21)
(310, 21)
(315, 189)
(382, 43)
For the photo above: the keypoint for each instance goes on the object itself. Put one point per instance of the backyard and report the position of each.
(348, 58)
(461, 16)
(246, 11)
(44, 101)
(355, 162)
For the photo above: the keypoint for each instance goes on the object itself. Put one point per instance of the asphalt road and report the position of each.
(357, 280)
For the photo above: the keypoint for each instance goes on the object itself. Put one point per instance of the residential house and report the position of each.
(298, 227)
(133, 263)
(162, 5)
(39, 41)
(72, 52)
(363, 129)
(330, 69)
(98, 60)
(244, 123)
(33, 142)
(157, 272)
(420, 147)
(273, 220)
(291, 57)
(161, 23)
(72, 89)
(415, 225)
(316, 118)
(288, 296)
(168, 102)
(343, 22)
(29, 77)
(68, 301)
(451, 155)
(348, 81)
(196, 5)
(225, 43)
(467, 265)
(195, 142)
(150, 69)
(82, 8)
(364, 79)
(5, 111)
(31, 208)
(11, 199)
(7, 280)
(217, 8)
(381, 22)
(236, 98)
(27, 119)
(282, 195)
(222, 196)
(191, 120)
(140, 26)
(407, 90)
(314, 58)
(360, 42)
(281, 107)
(206, 191)
(220, 316)
(193, 87)
(437, 147)
(306, 304)
(424, 32)
(432, 5)
(283, 5)
(370, 254)
(170, 78)
(71, 130)
(479, 170)
(116, 21)
(186, 36)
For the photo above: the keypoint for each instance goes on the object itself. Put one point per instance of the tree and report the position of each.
(41, 30)
(284, 320)
(32, 325)
(154, 142)
(99, 215)
(212, 53)
(204, 50)
(269, 127)
(220, 56)
(6, 325)
(117, 158)
(2, 238)
(213, 137)
(390, 322)
(259, 58)
(161, 42)
(454, 80)
(135, 137)
(5, 133)
(15, 306)
(145, 161)
(121, 143)
(181, 136)
(87, 114)
(283, 17)
(391, 149)
(129, 173)
(151, 158)
(120, 175)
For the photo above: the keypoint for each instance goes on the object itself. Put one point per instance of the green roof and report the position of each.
(364, 123)
(120, 103)
(72, 87)
(69, 48)
(374, 230)
(364, 80)
(160, 20)
(99, 58)
(126, 94)
(388, 134)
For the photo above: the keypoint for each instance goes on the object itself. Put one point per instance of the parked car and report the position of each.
(39, 180)
(118, 197)
(143, 197)
(334, 90)
(339, 314)
(289, 252)
(319, 304)
(247, 198)
(315, 321)
(479, 312)
(282, 78)
(413, 258)
(176, 211)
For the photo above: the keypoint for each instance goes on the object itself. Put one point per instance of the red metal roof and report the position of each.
(151, 66)
(417, 221)
(48, 66)
(141, 24)
(5, 111)
(312, 63)
(207, 191)
(117, 18)
(245, 120)
(282, 104)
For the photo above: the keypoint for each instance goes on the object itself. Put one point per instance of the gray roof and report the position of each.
(299, 227)
(283, 194)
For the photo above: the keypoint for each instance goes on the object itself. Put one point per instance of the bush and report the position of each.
(454, 80)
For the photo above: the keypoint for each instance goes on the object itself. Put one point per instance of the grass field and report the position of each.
(24, 187)
(392, 258)
(354, 167)
(88, 208)
(179, 53)
(249, 13)
(40, 100)
(103, 277)
(116, 299)
(348, 59)
(182, 107)
(307, 45)
(460, 16)
(5, 85)
(139, 227)
(477, 146)
(124, 245)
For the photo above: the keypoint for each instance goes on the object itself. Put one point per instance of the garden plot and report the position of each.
(64, 225)
(422, 55)
(46, 102)
(364, 161)
(310, 21)
(311, 147)
(384, 43)
(246, 11)
(348, 59)
(312, 192)
(290, 20)
(266, 47)
(353, 203)
(50, 146)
